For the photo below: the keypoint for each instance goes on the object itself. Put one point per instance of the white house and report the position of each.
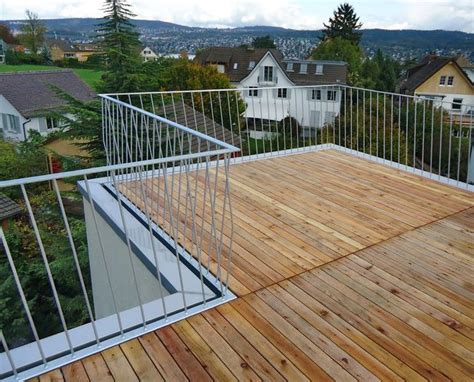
(28, 98)
(147, 54)
(3, 50)
(312, 106)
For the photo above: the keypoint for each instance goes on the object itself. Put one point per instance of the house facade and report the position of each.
(147, 54)
(62, 49)
(276, 78)
(3, 51)
(27, 100)
(442, 79)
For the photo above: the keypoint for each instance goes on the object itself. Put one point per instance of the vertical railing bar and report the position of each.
(459, 149)
(423, 138)
(22, 296)
(3, 342)
(414, 133)
(47, 268)
(440, 142)
(432, 137)
(450, 142)
(76, 259)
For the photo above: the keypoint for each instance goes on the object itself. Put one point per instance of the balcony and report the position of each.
(343, 253)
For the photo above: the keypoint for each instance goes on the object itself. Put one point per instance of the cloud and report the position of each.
(299, 14)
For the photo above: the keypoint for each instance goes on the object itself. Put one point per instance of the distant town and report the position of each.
(166, 38)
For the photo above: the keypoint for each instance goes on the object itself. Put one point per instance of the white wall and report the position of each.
(118, 263)
(298, 104)
(467, 100)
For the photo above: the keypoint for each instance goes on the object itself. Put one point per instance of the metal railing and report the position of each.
(426, 136)
(127, 248)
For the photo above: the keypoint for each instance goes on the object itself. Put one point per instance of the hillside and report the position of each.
(171, 38)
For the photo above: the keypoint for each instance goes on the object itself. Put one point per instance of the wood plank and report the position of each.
(140, 362)
(118, 364)
(96, 368)
(52, 376)
(162, 360)
(183, 356)
(75, 372)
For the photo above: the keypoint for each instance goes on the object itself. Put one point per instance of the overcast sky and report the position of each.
(299, 14)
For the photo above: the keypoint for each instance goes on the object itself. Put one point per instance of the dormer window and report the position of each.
(303, 68)
(236, 65)
(319, 69)
(289, 67)
(442, 81)
(268, 73)
(251, 65)
(450, 80)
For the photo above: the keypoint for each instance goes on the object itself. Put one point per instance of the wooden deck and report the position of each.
(345, 270)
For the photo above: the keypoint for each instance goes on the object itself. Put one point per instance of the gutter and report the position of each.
(24, 129)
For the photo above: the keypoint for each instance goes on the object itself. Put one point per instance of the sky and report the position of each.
(297, 14)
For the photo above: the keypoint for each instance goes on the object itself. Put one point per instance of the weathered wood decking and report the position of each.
(345, 269)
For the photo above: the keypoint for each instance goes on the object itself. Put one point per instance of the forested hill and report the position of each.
(170, 38)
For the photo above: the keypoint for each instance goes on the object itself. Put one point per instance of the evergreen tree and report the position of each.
(344, 24)
(119, 41)
(264, 42)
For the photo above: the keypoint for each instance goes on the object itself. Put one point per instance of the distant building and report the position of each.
(448, 80)
(251, 69)
(62, 49)
(3, 51)
(148, 55)
(26, 100)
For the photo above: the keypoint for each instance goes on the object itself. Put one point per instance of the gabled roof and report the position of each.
(8, 208)
(31, 93)
(64, 45)
(237, 65)
(425, 69)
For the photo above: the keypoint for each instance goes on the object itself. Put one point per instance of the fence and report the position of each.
(430, 137)
(137, 244)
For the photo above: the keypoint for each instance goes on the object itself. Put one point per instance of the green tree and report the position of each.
(338, 48)
(344, 24)
(120, 43)
(263, 42)
(32, 32)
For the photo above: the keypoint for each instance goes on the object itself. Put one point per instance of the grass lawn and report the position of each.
(89, 76)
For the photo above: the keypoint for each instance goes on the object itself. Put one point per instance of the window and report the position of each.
(457, 104)
(315, 94)
(11, 123)
(69, 55)
(304, 68)
(221, 68)
(289, 67)
(450, 80)
(236, 65)
(282, 93)
(442, 80)
(268, 73)
(253, 91)
(251, 65)
(331, 95)
(319, 69)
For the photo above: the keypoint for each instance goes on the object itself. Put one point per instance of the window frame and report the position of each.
(289, 67)
(268, 69)
(458, 103)
(321, 71)
(305, 66)
(316, 94)
(442, 81)
(450, 79)
(253, 91)
(331, 92)
(251, 65)
(282, 93)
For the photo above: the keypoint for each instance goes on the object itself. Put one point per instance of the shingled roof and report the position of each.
(31, 92)
(237, 65)
(8, 208)
(426, 68)
(187, 116)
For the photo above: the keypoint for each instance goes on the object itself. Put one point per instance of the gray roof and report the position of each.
(333, 71)
(187, 116)
(31, 93)
(426, 68)
(64, 45)
(8, 208)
